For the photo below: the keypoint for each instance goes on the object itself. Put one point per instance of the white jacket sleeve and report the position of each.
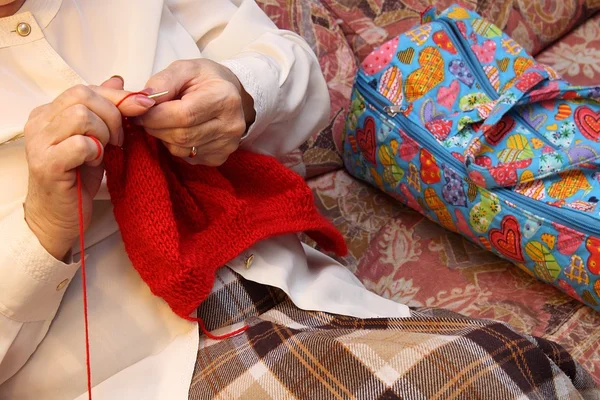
(276, 67)
(31, 289)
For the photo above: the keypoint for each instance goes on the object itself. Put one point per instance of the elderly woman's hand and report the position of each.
(60, 136)
(206, 109)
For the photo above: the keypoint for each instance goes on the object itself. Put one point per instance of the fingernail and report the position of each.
(144, 101)
(120, 78)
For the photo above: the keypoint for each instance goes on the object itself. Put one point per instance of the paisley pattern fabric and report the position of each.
(533, 23)
(577, 56)
(497, 154)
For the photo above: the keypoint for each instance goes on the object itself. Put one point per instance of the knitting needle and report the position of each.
(159, 94)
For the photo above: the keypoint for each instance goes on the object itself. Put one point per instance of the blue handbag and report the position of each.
(457, 121)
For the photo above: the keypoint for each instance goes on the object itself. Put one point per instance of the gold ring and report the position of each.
(193, 152)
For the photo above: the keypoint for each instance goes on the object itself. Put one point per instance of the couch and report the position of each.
(395, 251)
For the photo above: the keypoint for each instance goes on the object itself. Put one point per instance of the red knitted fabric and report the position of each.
(182, 222)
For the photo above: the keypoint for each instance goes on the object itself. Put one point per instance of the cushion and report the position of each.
(311, 20)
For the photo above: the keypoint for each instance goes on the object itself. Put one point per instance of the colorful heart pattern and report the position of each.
(486, 52)
(507, 239)
(588, 122)
(446, 96)
(427, 76)
(430, 171)
(443, 41)
(486, 28)
(461, 71)
(406, 56)
(543, 125)
(390, 85)
(419, 35)
(380, 58)
(365, 138)
(453, 191)
(439, 128)
(493, 76)
(495, 134)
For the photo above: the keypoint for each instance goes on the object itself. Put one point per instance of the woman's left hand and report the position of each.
(207, 110)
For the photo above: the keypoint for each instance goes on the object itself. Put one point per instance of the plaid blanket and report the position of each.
(434, 354)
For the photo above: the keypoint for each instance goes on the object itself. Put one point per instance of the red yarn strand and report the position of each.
(83, 273)
(218, 337)
(84, 285)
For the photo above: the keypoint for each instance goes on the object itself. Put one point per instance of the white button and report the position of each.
(62, 285)
(23, 29)
(248, 261)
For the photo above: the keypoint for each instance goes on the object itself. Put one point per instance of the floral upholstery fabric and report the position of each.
(577, 56)
(533, 23)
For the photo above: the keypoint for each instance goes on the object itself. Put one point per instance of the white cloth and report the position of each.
(139, 347)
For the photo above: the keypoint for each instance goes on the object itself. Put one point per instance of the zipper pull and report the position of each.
(392, 111)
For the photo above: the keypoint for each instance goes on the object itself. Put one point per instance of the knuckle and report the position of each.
(79, 144)
(79, 114)
(37, 111)
(237, 127)
(37, 167)
(81, 92)
(181, 137)
(180, 64)
(232, 100)
(187, 117)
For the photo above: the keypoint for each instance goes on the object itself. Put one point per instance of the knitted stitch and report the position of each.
(181, 222)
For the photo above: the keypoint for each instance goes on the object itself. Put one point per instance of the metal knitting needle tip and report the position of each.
(159, 94)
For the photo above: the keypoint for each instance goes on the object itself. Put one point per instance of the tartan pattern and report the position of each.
(434, 354)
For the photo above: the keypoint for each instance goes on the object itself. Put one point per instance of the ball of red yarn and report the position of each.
(181, 222)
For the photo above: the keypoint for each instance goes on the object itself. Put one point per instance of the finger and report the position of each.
(192, 109)
(178, 151)
(188, 137)
(101, 101)
(77, 120)
(132, 107)
(174, 78)
(114, 82)
(213, 154)
(75, 151)
(96, 103)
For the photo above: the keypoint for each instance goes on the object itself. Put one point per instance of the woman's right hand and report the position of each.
(65, 134)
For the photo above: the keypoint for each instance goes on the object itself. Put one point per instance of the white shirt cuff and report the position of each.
(32, 282)
(260, 78)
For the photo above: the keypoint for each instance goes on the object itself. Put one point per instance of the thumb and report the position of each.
(112, 90)
(114, 82)
(174, 79)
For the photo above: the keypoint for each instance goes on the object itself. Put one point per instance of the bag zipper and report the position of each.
(482, 79)
(583, 222)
